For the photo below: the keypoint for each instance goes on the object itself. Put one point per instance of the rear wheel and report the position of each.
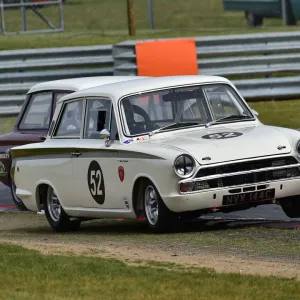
(56, 216)
(291, 206)
(18, 202)
(159, 218)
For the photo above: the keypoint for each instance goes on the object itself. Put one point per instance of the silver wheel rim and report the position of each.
(151, 205)
(14, 188)
(53, 206)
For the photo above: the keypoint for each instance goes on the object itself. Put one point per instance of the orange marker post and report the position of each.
(167, 57)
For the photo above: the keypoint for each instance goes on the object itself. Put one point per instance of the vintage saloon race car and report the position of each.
(166, 149)
(35, 116)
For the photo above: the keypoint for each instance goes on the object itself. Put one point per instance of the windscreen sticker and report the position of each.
(96, 182)
(221, 135)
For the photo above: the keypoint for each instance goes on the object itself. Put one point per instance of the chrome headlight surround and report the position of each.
(184, 165)
(298, 148)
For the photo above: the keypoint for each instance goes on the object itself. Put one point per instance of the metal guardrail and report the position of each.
(21, 69)
(254, 55)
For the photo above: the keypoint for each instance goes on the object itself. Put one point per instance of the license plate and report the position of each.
(242, 198)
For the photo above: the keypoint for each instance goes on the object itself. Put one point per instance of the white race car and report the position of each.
(166, 149)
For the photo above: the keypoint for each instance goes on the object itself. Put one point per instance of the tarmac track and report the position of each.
(266, 215)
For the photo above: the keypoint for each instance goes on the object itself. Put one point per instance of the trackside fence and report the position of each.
(269, 61)
(21, 69)
(262, 66)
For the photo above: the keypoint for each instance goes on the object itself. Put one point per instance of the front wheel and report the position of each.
(291, 206)
(56, 216)
(18, 202)
(159, 218)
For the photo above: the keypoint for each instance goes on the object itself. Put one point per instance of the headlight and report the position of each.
(298, 147)
(184, 165)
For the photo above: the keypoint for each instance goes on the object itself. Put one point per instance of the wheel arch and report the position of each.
(137, 202)
(41, 192)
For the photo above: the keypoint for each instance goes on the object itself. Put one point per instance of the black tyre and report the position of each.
(159, 218)
(291, 206)
(253, 19)
(56, 216)
(18, 202)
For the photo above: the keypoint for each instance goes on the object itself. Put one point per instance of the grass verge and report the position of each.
(92, 22)
(27, 274)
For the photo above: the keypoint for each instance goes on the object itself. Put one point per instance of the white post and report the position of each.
(284, 12)
(150, 9)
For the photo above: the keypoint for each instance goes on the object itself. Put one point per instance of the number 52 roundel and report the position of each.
(96, 182)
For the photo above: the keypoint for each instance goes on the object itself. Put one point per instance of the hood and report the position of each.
(227, 143)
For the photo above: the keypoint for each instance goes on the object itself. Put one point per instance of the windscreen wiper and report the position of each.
(173, 126)
(230, 117)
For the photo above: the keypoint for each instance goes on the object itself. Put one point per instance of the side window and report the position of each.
(98, 114)
(59, 95)
(71, 120)
(37, 114)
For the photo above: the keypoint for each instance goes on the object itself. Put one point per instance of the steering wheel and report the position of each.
(140, 127)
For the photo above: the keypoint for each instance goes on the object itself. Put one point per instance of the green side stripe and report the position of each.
(65, 152)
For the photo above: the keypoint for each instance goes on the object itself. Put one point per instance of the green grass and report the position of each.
(6, 124)
(277, 113)
(91, 22)
(27, 274)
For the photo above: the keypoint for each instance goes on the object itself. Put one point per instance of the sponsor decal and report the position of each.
(2, 169)
(121, 173)
(126, 202)
(222, 135)
(128, 141)
(142, 138)
(4, 156)
(96, 182)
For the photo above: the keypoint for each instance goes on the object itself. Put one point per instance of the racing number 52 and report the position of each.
(95, 181)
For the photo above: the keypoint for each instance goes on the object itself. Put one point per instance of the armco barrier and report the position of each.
(255, 55)
(21, 69)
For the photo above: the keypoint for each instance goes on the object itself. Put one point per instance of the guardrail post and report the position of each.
(23, 14)
(124, 59)
(151, 17)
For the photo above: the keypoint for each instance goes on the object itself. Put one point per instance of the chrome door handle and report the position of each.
(76, 154)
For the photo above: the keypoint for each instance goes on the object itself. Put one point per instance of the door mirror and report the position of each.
(104, 134)
(255, 112)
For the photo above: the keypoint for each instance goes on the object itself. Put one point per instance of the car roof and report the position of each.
(78, 84)
(120, 89)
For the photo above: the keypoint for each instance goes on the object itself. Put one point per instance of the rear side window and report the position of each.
(37, 114)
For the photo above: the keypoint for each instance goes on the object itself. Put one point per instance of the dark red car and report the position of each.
(35, 116)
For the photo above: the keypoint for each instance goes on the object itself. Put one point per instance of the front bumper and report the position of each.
(214, 198)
